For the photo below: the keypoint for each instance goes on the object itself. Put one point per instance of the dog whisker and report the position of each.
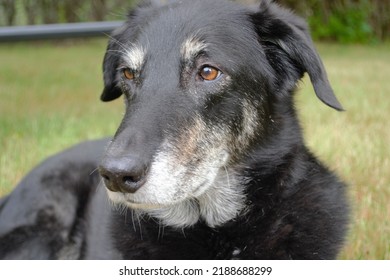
(93, 171)
(122, 45)
(183, 233)
(140, 228)
(161, 228)
(132, 219)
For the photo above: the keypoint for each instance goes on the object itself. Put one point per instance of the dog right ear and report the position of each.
(126, 33)
(119, 38)
(110, 64)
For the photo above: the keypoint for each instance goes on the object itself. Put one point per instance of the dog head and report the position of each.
(202, 83)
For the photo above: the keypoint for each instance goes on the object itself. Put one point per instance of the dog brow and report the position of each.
(191, 48)
(135, 57)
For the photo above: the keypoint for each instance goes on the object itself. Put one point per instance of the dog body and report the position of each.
(209, 160)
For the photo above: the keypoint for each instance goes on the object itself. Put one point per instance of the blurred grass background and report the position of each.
(49, 100)
(347, 21)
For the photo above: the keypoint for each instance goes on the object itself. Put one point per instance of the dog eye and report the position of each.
(128, 74)
(209, 73)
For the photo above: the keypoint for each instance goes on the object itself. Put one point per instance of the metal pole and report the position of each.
(57, 31)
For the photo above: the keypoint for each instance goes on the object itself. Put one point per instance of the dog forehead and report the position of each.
(174, 35)
(187, 25)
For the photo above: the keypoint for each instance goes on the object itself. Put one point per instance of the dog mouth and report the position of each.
(180, 196)
(170, 181)
(143, 203)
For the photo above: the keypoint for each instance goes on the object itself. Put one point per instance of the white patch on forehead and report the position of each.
(191, 48)
(135, 57)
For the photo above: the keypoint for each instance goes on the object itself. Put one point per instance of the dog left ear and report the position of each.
(290, 33)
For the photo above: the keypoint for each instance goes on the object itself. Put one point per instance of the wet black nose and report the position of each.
(123, 174)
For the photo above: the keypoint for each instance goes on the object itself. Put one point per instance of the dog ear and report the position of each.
(126, 33)
(115, 48)
(110, 64)
(289, 32)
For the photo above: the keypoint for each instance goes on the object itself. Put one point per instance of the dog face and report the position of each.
(202, 82)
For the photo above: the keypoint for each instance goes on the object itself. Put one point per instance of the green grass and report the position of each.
(49, 100)
(356, 142)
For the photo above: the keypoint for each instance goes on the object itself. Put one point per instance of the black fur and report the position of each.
(295, 207)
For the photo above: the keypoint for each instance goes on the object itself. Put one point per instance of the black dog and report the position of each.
(208, 162)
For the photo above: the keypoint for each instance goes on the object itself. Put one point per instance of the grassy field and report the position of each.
(49, 100)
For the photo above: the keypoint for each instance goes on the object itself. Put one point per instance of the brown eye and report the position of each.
(209, 73)
(128, 74)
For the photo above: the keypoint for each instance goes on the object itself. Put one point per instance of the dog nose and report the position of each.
(123, 174)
